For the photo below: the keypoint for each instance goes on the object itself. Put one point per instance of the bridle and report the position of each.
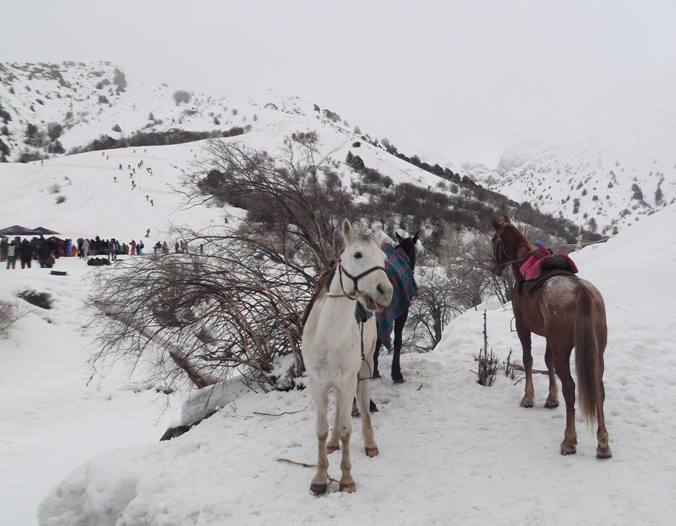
(355, 280)
(499, 245)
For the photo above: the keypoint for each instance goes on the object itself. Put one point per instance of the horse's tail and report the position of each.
(587, 354)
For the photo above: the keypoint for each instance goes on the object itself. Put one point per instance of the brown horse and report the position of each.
(569, 312)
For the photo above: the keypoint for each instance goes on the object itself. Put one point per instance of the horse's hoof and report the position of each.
(568, 449)
(603, 453)
(355, 412)
(331, 449)
(375, 374)
(551, 404)
(527, 403)
(371, 451)
(373, 408)
(319, 488)
(348, 487)
(398, 379)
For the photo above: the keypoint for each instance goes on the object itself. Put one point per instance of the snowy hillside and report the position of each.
(451, 450)
(73, 104)
(603, 185)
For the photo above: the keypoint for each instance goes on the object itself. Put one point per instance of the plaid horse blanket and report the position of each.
(399, 271)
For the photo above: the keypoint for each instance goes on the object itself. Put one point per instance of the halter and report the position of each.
(500, 245)
(355, 279)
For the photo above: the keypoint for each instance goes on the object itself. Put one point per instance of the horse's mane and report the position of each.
(323, 284)
(520, 237)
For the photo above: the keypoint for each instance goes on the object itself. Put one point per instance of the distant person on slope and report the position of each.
(26, 253)
(43, 252)
(11, 254)
(4, 246)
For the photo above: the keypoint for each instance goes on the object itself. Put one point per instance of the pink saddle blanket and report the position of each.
(543, 259)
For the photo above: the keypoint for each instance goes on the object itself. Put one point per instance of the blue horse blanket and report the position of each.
(398, 268)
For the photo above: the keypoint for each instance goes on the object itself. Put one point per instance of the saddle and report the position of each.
(559, 265)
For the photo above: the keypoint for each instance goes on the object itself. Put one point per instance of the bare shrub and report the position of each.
(433, 308)
(487, 362)
(238, 305)
(182, 97)
(9, 314)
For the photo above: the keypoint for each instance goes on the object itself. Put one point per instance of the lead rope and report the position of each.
(363, 358)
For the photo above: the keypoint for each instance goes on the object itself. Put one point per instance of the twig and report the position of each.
(296, 463)
(521, 368)
(279, 414)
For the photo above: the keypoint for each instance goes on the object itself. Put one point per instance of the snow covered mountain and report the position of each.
(54, 108)
(603, 185)
(48, 109)
(470, 449)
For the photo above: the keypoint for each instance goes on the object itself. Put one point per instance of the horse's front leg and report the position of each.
(344, 397)
(364, 397)
(524, 337)
(399, 323)
(320, 395)
(334, 441)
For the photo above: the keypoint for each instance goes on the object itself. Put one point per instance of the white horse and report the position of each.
(339, 339)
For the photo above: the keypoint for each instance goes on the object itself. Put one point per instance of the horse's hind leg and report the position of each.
(553, 397)
(319, 484)
(399, 323)
(524, 337)
(602, 449)
(364, 397)
(562, 359)
(344, 398)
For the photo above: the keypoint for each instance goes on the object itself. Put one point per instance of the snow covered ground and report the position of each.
(53, 415)
(451, 450)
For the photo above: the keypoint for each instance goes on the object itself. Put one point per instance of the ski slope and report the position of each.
(451, 450)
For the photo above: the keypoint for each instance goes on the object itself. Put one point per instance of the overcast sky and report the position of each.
(449, 80)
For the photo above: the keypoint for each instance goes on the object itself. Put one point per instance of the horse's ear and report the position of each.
(347, 231)
(398, 237)
(415, 237)
(496, 225)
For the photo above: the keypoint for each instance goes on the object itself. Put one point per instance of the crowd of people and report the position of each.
(42, 250)
(46, 251)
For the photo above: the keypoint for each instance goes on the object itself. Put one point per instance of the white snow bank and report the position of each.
(451, 450)
(53, 413)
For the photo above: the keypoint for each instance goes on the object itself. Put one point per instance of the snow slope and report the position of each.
(53, 412)
(97, 205)
(451, 450)
(602, 184)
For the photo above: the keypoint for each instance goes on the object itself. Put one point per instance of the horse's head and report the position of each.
(362, 270)
(509, 246)
(408, 245)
